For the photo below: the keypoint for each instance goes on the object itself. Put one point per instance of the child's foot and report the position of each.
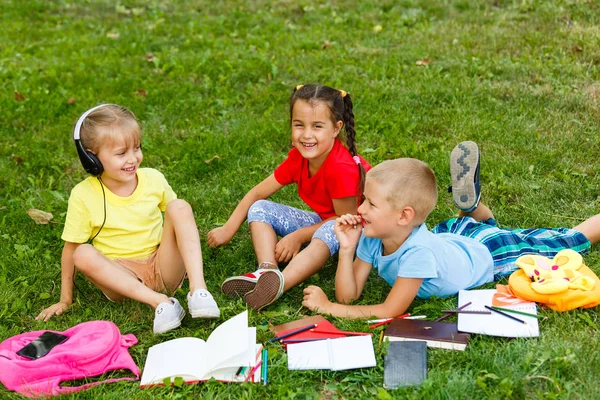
(167, 316)
(201, 304)
(464, 168)
(240, 285)
(267, 290)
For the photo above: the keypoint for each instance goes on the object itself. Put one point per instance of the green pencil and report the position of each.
(516, 312)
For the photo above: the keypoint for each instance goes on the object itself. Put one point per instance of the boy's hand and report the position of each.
(315, 299)
(348, 228)
(54, 309)
(287, 248)
(219, 237)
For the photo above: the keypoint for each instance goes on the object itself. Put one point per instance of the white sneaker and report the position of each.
(167, 316)
(201, 304)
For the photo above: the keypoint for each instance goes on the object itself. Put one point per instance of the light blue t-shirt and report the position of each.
(447, 262)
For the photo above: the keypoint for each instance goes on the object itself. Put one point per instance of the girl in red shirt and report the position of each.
(329, 178)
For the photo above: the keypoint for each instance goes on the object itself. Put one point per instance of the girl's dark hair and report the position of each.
(340, 107)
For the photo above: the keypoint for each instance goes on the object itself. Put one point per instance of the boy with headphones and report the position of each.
(119, 210)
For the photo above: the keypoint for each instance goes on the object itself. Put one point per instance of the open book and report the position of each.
(229, 347)
(334, 354)
(495, 324)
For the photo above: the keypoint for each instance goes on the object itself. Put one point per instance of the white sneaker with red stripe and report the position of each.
(240, 285)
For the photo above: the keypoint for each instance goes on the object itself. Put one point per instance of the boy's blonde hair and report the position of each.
(107, 124)
(408, 182)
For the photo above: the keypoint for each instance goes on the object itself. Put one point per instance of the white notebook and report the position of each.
(334, 354)
(495, 324)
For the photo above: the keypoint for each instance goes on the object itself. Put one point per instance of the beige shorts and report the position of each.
(146, 270)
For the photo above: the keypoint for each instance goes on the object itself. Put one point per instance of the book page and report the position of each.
(351, 352)
(309, 355)
(495, 324)
(230, 344)
(242, 359)
(182, 357)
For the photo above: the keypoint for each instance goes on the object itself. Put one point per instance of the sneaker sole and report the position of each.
(164, 329)
(463, 167)
(268, 289)
(205, 313)
(238, 286)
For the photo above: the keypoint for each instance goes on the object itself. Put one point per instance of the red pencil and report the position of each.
(387, 321)
(344, 333)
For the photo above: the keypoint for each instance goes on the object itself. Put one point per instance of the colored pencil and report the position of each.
(376, 321)
(466, 311)
(306, 328)
(289, 341)
(449, 314)
(387, 321)
(505, 314)
(265, 370)
(516, 312)
(339, 332)
(417, 317)
(252, 371)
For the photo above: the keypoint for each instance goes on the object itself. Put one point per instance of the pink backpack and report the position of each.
(92, 349)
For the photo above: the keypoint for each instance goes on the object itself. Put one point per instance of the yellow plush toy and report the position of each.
(555, 275)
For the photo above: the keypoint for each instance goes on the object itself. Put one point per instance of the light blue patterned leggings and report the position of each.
(285, 220)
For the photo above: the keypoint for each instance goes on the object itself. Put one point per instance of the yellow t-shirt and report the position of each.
(134, 224)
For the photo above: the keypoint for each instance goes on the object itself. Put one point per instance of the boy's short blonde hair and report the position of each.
(408, 182)
(107, 124)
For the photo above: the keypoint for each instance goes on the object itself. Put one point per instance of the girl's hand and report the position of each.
(315, 299)
(54, 309)
(348, 228)
(287, 248)
(219, 237)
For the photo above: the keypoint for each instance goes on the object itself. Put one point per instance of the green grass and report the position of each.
(519, 77)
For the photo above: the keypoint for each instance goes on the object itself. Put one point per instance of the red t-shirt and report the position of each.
(337, 178)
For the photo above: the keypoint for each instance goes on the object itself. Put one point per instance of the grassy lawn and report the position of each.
(210, 81)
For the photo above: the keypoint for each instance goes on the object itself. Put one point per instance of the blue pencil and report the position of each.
(265, 371)
(292, 333)
(505, 314)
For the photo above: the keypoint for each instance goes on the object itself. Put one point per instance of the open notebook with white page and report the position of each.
(495, 324)
(334, 354)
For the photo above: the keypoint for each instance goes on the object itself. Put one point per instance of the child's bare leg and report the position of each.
(113, 279)
(590, 228)
(306, 263)
(481, 213)
(179, 250)
(264, 240)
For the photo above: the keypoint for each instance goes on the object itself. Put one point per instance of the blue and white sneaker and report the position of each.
(167, 316)
(464, 169)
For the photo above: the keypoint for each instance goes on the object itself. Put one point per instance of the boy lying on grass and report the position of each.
(460, 253)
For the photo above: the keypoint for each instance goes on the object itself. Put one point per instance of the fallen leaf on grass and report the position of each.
(112, 35)
(39, 216)
(141, 92)
(215, 157)
(149, 57)
(18, 159)
(326, 44)
(424, 62)
(576, 49)
(19, 96)
(377, 28)
(71, 100)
